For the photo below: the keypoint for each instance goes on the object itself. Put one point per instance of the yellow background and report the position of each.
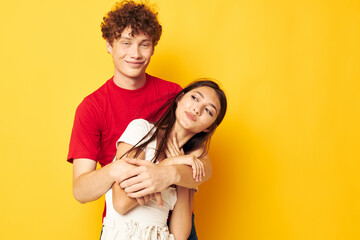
(286, 158)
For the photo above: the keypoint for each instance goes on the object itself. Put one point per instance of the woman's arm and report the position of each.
(184, 173)
(150, 178)
(122, 203)
(199, 166)
(180, 219)
(190, 160)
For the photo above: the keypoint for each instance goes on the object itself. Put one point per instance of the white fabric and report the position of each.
(142, 222)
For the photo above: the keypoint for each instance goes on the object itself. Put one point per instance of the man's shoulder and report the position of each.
(96, 98)
(101, 91)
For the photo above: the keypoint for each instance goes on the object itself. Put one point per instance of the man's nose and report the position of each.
(135, 51)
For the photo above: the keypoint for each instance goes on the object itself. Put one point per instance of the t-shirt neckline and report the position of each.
(128, 91)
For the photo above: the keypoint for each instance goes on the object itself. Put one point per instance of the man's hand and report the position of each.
(147, 178)
(157, 196)
(119, 168)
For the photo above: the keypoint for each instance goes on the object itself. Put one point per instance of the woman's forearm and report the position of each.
(184, 173)
(122, 203)
(180, 220)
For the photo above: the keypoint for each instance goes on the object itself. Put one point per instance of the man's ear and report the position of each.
(108, 47)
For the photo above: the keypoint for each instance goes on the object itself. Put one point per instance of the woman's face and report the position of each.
(198, 109)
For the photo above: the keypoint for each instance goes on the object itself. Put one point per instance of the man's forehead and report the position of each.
(129, 33)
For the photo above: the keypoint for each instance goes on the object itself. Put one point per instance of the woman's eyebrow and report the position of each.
(202, 96)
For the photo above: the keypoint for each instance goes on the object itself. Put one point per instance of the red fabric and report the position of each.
(103, 116)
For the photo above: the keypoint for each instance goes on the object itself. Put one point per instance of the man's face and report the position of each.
(131, 54)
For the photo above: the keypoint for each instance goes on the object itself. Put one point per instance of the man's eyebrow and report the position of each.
(126, 38)
(201, 95)
(130, 39)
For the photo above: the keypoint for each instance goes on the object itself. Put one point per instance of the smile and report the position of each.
(135, 64)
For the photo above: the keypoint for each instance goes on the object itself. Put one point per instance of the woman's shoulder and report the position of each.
(141, 124)
(135, 131)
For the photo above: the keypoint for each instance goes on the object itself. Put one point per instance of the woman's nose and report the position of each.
(196, 110)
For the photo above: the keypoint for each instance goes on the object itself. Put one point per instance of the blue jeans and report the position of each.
(193, 235)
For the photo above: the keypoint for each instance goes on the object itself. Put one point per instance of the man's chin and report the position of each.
(135, 75)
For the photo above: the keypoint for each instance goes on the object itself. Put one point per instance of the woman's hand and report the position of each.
(172, 149)
(198, 168)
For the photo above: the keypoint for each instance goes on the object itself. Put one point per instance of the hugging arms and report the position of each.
(90, 183)
(180, 218)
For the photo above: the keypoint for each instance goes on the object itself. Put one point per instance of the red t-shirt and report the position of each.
(102, 117)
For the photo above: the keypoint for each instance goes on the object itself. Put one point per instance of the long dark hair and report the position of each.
(167, 121)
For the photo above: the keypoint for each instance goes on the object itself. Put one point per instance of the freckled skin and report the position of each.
(198, 109)
(131, 56)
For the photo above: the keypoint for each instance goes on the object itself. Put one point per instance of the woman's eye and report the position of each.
(193, 97)
(209, 112)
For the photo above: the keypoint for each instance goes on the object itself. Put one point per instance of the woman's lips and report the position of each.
(190, 116)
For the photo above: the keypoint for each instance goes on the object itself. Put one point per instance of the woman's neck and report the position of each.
(181, 134)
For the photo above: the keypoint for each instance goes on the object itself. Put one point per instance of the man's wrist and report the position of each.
(116, 169)
(175, 175)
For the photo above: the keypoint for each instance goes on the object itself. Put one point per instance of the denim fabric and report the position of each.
(101, 232)
(193, 235)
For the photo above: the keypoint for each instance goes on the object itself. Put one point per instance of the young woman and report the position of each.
(181, 136)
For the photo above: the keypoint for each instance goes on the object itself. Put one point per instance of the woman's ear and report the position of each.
(211, 128)
(180, 97)
(207, 130)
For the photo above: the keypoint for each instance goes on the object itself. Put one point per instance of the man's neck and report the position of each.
(130, 83)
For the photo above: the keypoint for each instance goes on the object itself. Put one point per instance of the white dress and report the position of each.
(147, 222)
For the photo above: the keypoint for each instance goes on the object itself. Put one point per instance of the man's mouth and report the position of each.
(134, 63)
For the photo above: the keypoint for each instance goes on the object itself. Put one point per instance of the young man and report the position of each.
(131, 31)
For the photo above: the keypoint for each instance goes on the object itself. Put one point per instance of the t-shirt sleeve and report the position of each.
(174, 89)
(85, 135)
(135, 132)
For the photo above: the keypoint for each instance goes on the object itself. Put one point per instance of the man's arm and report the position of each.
(121, 202)
(149, 178)
(90, 183)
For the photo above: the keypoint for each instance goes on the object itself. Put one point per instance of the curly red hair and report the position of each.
(139, 16)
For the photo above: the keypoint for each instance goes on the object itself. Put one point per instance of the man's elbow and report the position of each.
(207, 176)
(78, 197)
